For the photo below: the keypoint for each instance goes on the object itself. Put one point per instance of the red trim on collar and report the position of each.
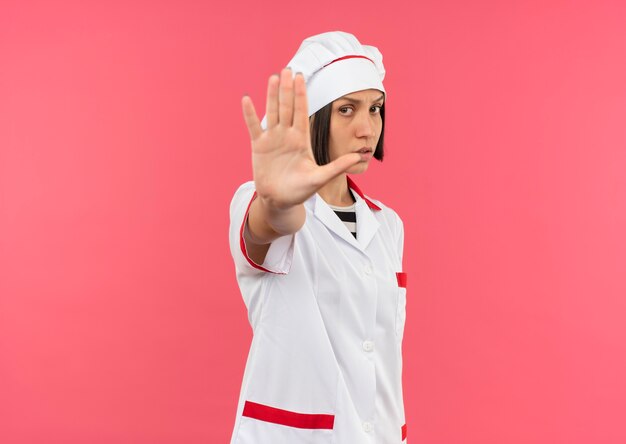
(358, 191)
(349, 57)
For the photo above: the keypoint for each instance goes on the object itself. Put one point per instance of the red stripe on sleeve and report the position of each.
(287, 418)
(403, 432)
(242, 243)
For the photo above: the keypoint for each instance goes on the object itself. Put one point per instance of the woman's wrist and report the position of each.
(266, 222)
(283, 220)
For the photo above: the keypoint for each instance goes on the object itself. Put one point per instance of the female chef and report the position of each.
(319, 263)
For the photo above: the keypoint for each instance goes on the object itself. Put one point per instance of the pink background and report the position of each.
(121, 143)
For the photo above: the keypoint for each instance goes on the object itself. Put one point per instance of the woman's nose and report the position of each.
(365, 126)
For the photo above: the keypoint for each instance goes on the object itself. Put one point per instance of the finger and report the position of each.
(271, 111)
(301, 107)
(327, 172)
(285, 98)
(251, 118)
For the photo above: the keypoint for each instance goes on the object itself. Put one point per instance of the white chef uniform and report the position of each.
(327, 312)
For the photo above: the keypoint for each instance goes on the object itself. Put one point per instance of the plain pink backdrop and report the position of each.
(121, 143)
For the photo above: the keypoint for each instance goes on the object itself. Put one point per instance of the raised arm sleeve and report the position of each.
(280, 254)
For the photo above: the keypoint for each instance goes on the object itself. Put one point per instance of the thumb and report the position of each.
(327, 172)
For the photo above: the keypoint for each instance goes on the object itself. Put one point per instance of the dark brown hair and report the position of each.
(320, 133)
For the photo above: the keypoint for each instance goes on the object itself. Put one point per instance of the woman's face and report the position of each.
(355, 126)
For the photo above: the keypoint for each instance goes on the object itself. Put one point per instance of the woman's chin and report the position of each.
(359, 168)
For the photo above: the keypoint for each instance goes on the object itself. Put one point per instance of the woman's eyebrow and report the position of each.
(350, 99)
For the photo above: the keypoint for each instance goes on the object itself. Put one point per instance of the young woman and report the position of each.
(319, 264)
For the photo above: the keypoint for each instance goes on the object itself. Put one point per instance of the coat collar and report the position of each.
(366, 222)
(358, 191)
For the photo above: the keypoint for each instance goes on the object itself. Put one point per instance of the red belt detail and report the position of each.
(403, 432)
(401, 279)
(287, 418)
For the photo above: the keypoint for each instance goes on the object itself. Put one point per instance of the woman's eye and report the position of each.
(375, 109)
(345, 110)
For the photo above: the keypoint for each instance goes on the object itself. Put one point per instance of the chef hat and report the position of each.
(335, 64)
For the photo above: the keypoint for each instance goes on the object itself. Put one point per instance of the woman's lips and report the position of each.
(366, 153)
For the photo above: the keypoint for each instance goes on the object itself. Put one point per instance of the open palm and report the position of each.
(284, 169)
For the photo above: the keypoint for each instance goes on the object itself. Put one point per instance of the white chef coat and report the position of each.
(327, 311)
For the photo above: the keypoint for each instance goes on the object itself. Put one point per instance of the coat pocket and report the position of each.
(401, 306)
(263, 424)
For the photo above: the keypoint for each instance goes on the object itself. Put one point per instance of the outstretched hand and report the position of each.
(284, 169)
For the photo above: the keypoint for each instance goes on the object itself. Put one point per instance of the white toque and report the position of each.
(335, 64)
